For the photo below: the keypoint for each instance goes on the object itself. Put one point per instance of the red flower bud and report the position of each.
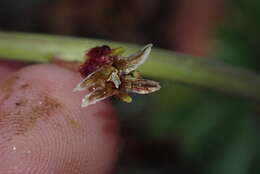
(96, 58)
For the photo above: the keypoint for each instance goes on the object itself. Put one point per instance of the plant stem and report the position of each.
(162, 63)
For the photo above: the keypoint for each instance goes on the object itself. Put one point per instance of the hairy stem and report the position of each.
(162, 63)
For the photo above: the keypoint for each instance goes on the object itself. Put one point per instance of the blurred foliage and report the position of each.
(238, 37)
(212, 133)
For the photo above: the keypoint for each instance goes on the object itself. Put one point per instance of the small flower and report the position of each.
(107, 73)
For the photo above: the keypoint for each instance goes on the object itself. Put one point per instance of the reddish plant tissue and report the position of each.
(95, 59)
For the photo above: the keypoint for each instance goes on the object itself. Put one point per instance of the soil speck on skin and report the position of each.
(45, 107)
(21, 102)
(72, 123)
(22, 120)
(24, 86)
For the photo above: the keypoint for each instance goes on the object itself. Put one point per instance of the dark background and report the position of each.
(181, 129)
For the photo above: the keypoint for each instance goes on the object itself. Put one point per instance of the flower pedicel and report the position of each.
(107, 73)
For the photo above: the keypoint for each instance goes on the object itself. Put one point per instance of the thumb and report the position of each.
(43, 129)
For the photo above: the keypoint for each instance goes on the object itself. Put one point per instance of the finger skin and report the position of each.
(43, 129)
(7, 67)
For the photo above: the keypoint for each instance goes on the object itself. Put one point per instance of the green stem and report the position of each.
(162, 63)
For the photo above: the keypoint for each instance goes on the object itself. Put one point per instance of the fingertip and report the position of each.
(78, 139)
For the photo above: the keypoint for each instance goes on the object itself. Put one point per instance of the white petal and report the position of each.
(143, 86)
(137, 59)
(86, 101)
(83, 85)
(79, 87)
